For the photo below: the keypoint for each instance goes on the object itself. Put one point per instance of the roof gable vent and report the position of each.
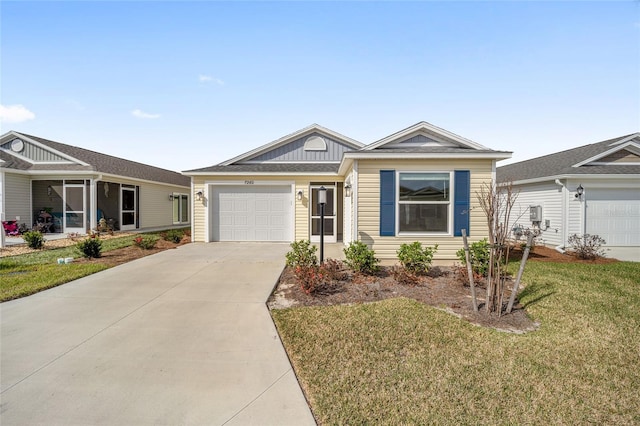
(315, 143)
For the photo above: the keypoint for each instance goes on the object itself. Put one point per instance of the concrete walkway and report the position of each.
(180, 337)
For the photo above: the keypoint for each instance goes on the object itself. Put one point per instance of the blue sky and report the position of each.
(184, 85)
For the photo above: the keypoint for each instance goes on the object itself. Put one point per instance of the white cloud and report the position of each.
(141, 114)
(209, 79)
(15, 114)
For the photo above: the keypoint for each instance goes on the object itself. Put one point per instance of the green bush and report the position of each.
(361, 258)
(415, 258)
(90, 247)
(302, 254)
(479, 256)
(145, 242)
(173, 235)
(34, 239)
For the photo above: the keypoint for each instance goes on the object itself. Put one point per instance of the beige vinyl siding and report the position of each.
(369, 206)
(301, 209)
(17, 198)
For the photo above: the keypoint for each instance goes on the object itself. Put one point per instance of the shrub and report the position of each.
(90, 247)
(34, 239)
(145, 242)
(479, 256)
(302, 254)
(333, 270)
(405, 277)
(415, 258)
(361, 258)
(173, 235)
(309, 277)
(587, 246)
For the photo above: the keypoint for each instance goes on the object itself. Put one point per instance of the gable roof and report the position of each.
(81, 159)
(577, 161)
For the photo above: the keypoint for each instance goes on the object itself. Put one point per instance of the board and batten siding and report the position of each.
(301, 207)
(17, 198)
(294, 151)
(548, 195)
(369, 206)
(38, 154)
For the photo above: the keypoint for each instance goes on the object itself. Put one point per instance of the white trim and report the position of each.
(290, 138)
(290, 162)
(193, 211)
(62, 174)
(244, 182)
(263, 174)
(626, 139)
(333, 238)
(598, 163)
(46, 148)
(607, 153)
(449, 203)
(428, 127)
(354, 195)
(498, 155)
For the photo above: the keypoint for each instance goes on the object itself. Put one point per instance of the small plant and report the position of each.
(405, 277)
(34, 239)
(302, 254)
(173, 235)
(145, 242)
(91, 247)
(309, 277)
(361, 258)
(415, 258)
(333, 270)
(587, 246)
(479, 256)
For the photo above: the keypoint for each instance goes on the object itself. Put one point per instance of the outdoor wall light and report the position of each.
(347, 190)
(170, 197)
(199, 195)
(579, 192)
(299, 195)
(49, 190)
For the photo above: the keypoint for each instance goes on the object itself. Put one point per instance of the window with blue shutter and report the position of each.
(387, 203)
(462, 202)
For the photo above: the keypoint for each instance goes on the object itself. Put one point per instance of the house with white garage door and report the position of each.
(593, 189)
(413, 185)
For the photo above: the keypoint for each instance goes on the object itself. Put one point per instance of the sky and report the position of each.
(185, 85)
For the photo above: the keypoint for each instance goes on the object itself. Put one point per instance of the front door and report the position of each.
(128, 209)
(74, 208)
(330, 213)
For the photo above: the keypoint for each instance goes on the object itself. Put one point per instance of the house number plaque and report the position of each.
(248, 182)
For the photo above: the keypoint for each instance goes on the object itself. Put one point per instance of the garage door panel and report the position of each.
(614, 214)
(252, 213)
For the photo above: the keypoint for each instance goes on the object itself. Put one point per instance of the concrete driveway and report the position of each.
(180, 337)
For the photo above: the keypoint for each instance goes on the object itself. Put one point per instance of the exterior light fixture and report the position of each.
(347, 190)
(579, 192)
(49, 190)
(322, 200)
(171, 197)
(199, 195)
(299, 195)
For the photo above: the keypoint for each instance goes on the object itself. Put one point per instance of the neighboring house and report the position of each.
(608, 173)
(414, 185)
(75, 188)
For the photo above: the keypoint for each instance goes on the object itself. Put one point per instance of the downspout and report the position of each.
(561, 247)
(354, 194)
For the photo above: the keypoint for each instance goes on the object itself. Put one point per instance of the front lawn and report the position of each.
(401, 362)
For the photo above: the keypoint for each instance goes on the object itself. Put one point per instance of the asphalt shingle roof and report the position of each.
(101, 163)
(561, 163)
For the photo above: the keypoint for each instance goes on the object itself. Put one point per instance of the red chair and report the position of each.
(11, 228)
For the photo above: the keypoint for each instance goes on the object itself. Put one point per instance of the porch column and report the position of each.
(93, 207)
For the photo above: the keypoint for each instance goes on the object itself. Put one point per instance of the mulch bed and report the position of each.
(443, 287)
(127, 254)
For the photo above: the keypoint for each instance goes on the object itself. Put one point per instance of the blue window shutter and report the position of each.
(462, 202)
(387, 203)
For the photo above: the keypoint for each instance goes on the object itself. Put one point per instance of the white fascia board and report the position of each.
(55, 151)
(344, 165)
(61, 174)
(291, 137)
(421, 156)
(628, 138)
(261, 174)
(608, 152)
(423, 125)
(581, 177)
(291, 162)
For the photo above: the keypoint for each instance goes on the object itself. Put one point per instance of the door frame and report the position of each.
(134, 189)
(82, 187)
(327, 238)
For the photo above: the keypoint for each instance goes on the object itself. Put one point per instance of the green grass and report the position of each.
(30, 273)
(402, 362)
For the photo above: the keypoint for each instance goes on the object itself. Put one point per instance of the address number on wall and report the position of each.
(248, 182)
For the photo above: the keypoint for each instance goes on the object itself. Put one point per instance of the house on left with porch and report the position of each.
(61, 188)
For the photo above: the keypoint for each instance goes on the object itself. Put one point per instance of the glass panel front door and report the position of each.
(330, 213)
(74, 208)
(128, 210)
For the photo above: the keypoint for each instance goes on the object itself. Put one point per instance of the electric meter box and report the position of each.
(535, 213)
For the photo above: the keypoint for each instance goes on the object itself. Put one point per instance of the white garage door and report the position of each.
(252, 213)
(614, 214)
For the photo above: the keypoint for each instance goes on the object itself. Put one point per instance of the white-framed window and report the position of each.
(424, 202)
(180, 208)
